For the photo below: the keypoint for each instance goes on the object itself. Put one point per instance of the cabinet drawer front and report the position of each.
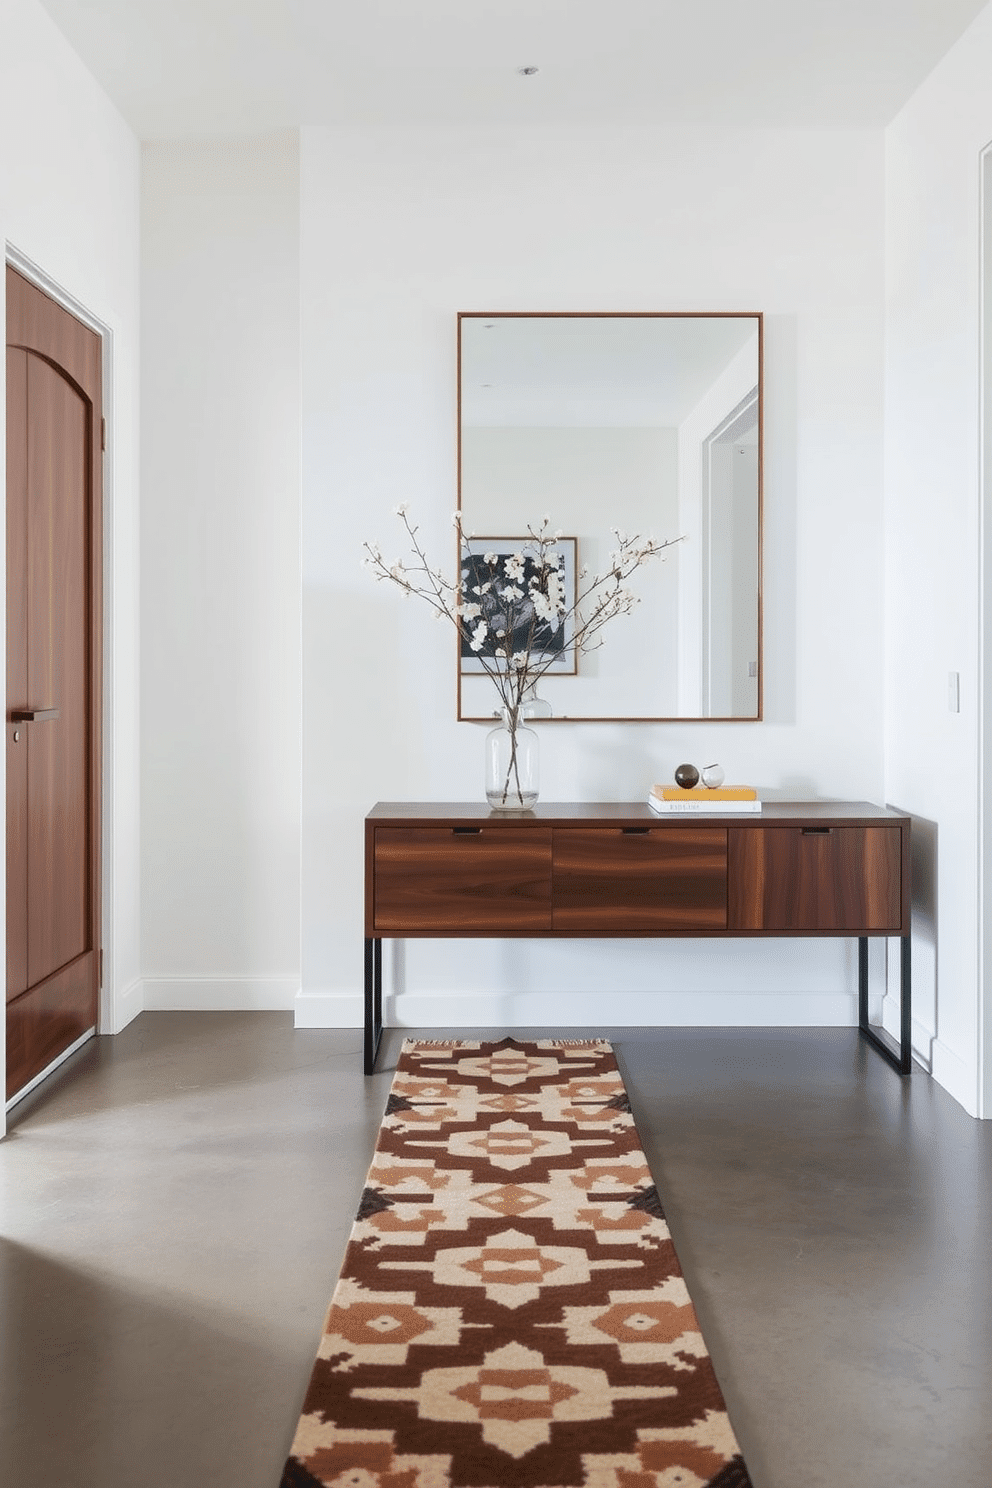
(816, 879)
(663, 879)
(479, 881)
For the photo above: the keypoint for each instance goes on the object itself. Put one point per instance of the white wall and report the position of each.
(221, 652)
(402, 229)
(69, 174)
(933, 515)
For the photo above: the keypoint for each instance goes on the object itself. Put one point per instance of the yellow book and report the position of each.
(702, 793)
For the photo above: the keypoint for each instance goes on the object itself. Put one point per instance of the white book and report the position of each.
(699, 808)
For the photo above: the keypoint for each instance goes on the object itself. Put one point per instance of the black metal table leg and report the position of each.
(373, 1000)
(906, 1002)
(899, 1056)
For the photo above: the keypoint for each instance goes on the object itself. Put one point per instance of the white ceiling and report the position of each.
(191, 67)
(614, 371)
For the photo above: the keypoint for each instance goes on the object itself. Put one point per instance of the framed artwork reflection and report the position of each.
(485, 579)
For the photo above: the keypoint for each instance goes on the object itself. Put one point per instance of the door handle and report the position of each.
(32, 715)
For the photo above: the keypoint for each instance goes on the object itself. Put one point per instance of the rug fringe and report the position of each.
(573, 1043)
(593, 1043)
(440, 1044)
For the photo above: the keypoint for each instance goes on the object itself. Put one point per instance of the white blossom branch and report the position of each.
(520, 605)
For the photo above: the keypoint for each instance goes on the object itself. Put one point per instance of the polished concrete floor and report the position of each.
(174, 1205)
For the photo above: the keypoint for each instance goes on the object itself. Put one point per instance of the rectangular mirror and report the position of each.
(650, 423)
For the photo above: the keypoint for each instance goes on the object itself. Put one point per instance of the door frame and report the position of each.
(983, 1022)
(749, 405)
(106, 1013)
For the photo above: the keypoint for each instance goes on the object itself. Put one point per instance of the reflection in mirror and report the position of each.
(651, 424)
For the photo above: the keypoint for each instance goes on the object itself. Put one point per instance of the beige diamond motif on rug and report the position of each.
(511, 1268)
(515, 1395)
(510, 1144)
(510, 1200)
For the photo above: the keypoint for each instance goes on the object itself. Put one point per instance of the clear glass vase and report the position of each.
(512, 765)
(532, 707)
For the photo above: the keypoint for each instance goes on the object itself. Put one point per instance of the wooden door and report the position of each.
(54, 627)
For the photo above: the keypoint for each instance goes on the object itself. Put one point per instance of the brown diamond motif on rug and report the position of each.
(511, 1312)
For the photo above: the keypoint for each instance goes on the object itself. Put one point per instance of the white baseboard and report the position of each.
(219, 994)
(326, 1009)
(125, 1007)
(954, 1074)
(958, 1076)
(622, 1009)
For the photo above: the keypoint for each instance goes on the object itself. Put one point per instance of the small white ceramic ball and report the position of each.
(712, 776)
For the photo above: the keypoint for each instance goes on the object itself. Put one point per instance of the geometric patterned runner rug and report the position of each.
(511, 1312)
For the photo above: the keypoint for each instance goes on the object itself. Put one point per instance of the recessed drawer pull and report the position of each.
(465, 831)
(815, 831)
(635, 831)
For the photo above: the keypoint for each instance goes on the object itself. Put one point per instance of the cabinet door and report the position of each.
(612, 880)
(470, 881)
(816, 879)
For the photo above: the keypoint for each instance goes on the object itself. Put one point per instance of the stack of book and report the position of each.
(724, 799)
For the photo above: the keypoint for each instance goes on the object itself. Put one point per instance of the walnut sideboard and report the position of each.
(437, 869)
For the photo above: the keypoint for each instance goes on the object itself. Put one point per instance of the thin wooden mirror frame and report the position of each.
(758, 317)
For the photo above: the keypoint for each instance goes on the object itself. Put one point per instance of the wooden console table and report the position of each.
(562, 871)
